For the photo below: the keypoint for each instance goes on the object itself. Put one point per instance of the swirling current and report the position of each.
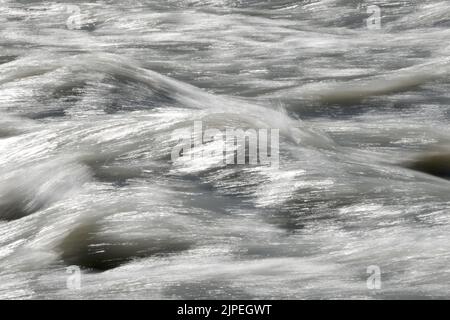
(93, 95)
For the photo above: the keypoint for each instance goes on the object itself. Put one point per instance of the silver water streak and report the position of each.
(91, 93)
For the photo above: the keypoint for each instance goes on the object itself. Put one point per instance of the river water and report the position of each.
(92, 92)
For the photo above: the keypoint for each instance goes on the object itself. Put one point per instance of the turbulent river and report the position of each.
(93, 94)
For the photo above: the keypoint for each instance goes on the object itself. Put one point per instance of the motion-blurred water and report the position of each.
(91, 92)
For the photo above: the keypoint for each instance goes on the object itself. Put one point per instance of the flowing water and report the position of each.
(91, 93)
